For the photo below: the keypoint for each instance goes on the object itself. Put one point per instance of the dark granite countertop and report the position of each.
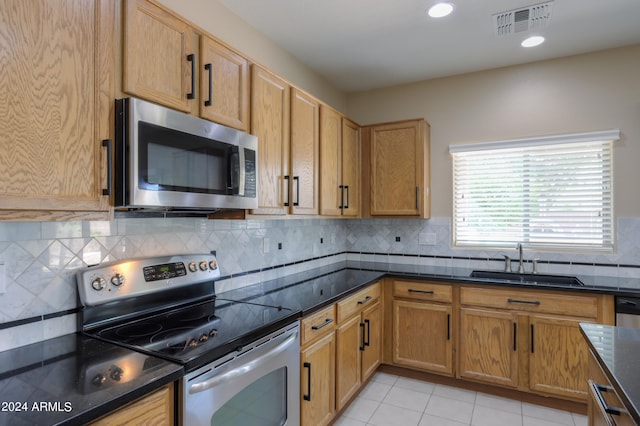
(311, 290)
(617, 349)
(68, 380)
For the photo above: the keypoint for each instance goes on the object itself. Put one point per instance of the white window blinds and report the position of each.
(551, 192)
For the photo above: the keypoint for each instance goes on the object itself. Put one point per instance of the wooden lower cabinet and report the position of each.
(422, 336)
(528, 339)
(558, 356)
(601, 392)
(317, 363)
(358, 346)
(488, 346)
(155, 409)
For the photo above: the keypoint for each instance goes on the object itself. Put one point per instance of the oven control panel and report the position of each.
(117, 280)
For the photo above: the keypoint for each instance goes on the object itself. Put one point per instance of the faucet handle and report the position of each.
(535, 266)
(507, 263)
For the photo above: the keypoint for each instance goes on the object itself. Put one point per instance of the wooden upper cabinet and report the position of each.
(270, 113)
(159, 56)
(303, 180)
(399, 169)
(331, 193)
(224, 85)
(57, 90)
(339, 164)
(350, 168)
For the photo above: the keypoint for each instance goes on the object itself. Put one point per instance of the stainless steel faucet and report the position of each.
(521, 264)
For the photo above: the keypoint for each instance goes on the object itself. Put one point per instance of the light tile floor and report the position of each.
(389, 400)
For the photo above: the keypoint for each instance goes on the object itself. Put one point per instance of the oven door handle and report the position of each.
(244, 369)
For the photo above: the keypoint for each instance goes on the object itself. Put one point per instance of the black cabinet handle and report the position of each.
(532, 338)
(208, 102)
(368, 341)
(417, 198)
(341, 206)
(346, 206)
(307, 396)
(598, 389)
(192, 58)
(362, 345)
(448, 326)
(515, 334)
(108, 143)
(411, 290)
(365, 300)
(527, 302)
(324, 324)
(288, 179)
(296, 180)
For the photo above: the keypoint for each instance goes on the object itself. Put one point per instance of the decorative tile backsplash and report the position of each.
(40, 258)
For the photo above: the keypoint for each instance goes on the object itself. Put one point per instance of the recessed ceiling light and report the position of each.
(533, 41)
(440, 10)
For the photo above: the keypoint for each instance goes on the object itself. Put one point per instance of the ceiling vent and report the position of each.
(522, 19)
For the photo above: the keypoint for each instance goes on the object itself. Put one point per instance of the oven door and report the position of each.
(259, 386)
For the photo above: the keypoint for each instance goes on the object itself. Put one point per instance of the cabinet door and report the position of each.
(348, 360)
(397, 169)
(558, 359)
(304, 153)
(153, 409)
(317, 363)
(270, 101)
(56, 81)
(371, 339)
(350, 168)
(330, 161)
(224, 85)
(422, 336)
(488, 346)
(157, 63)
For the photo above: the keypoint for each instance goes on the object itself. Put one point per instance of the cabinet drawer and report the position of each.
(531, 301)
(356, 302)
(318, 324)
(422, 291)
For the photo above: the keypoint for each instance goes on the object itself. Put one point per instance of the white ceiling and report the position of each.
(364, 44)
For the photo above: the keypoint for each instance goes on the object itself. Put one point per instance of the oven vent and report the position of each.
(522, 20)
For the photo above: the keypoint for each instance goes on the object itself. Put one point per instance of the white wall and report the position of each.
(576, 94)
(219, 21)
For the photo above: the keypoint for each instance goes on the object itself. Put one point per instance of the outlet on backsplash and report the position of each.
(427, 239)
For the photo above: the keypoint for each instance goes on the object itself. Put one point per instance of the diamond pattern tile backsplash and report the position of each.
(40, 258)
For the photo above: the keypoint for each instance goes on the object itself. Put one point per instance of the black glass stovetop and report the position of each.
(199, 333)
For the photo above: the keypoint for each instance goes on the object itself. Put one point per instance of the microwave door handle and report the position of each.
(235, 173)
(243, 369)
(241, 172)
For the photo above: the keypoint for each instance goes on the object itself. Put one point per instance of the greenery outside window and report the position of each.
(549, 192)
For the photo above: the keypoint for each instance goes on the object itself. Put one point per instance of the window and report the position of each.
(550, 192)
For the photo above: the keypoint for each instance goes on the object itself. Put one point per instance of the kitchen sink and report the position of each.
(528, 278)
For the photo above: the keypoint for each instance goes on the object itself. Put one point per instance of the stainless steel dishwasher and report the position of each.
(628, 311)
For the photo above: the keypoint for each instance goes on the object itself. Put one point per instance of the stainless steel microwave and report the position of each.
(169, 160)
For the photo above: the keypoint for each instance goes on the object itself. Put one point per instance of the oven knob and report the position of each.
(117, 279)
(203, 265)
(116, 373)
(213, 265)
(192, 343)
(203, 338)
(98, 284)
(193, 267)
(213, 332)
(98, 380)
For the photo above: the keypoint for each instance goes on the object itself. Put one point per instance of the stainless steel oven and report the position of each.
(165, 159)
(257, 386)
(241, 359)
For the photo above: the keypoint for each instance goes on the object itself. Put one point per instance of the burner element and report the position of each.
(140, 329)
